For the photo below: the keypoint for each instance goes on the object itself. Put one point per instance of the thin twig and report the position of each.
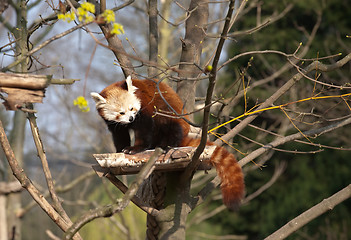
(110, 210)
(280, 141)
(216, 181)
(40, 46)
(277, 173)
(280, 92)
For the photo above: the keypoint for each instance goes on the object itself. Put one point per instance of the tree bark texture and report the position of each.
(195, 31)
(153, 37)
(19, 121)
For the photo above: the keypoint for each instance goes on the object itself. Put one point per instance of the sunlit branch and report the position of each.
(312, 213)
(280, 141)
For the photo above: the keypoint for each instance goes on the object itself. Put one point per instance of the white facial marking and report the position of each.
(121, 108)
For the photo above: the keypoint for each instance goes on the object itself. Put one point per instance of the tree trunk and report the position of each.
(165, 31)
(3, 221)
(172, 219)
(19, 122)
(195, 30)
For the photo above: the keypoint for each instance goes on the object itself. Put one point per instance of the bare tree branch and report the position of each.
(28, 185)
(304, 218)
(109, 210)
(292, 61)
(279, 169)
(10, 187)
(49, 180)
(216, 181)
(40, 46)
(280, 141)
(316, 65)
(58, 189)
(275, 17)
(116, 46)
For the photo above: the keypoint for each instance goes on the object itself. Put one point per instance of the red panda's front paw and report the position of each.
(133, 150)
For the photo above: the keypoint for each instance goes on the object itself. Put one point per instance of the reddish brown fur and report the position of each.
(166, 131)
(151, 100)
(228, 170)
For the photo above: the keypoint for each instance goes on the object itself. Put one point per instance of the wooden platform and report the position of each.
(175, 159)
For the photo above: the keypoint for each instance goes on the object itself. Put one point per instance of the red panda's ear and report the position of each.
(131, 89)
(97, 98)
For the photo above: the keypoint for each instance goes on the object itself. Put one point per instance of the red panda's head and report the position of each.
(117, 104)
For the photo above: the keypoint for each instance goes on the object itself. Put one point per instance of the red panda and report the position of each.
(131, 104)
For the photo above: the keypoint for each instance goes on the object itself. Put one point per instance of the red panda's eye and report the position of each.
(122, 113)
(131, 109)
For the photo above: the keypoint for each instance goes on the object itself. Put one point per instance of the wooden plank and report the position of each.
(26, 81)
(20, 89)
(16, 97)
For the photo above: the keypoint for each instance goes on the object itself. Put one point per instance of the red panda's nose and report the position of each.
(131, 119)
